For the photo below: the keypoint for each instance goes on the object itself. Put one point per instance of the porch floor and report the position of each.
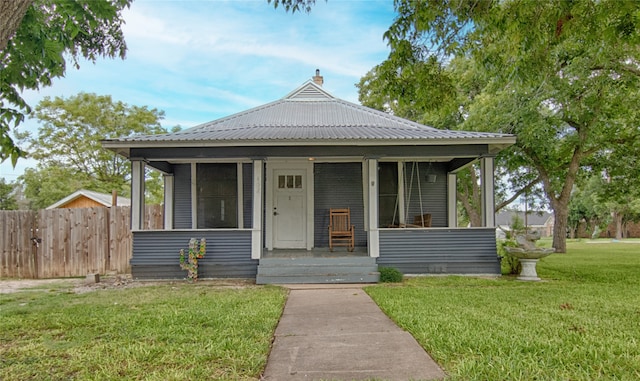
(319, 252)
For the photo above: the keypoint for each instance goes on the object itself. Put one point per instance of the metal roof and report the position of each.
(101, 198)
(310, 114)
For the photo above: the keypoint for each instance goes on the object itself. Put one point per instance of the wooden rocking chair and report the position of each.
(423, 220)
(341, 232)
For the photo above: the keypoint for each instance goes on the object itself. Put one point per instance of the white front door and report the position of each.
(289, 208)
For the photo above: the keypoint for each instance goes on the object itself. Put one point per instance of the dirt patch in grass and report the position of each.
(120, 281)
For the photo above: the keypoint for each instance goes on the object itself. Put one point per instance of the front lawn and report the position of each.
(581, 323)
(177, 331)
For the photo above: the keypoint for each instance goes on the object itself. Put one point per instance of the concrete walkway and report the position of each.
(341, 334)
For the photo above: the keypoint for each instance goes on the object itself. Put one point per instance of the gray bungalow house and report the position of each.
(259, 186)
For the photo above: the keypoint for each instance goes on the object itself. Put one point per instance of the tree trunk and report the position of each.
(475, 219)
(469, 196)
(560, 213)
(617, 217)
(11, 14)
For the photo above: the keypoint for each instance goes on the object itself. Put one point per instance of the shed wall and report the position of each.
(81, 202)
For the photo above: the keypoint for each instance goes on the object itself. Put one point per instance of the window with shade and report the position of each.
(217, 193)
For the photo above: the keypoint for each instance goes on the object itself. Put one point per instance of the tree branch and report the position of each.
(524, 189)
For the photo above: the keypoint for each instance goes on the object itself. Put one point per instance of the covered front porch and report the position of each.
(281, 208)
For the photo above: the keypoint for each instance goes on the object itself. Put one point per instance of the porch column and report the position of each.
(256, 226)
(488, 198)
(168, 200)
(137, 194)
(374, 236)
(452, 201)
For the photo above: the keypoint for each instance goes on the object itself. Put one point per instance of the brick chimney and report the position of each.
(318, 79)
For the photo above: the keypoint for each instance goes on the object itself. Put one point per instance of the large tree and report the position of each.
(68, 150)
(563, 76)
(430, 92)
(36, 40)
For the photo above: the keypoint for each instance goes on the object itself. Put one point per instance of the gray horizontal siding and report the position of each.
(182, 196)
(338, 185)
(228, 255)
(440, 251)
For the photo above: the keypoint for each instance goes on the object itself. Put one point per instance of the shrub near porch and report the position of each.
(581, 323)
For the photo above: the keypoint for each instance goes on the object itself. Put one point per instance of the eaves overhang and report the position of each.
(123, 147)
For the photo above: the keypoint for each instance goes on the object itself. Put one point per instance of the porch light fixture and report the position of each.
(431, 177)
(312, 159)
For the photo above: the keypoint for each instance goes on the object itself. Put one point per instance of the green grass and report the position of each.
(581, 323)
(168, 332)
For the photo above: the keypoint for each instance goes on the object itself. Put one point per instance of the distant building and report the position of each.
(629, 230)
(89, 199)
(535, 221)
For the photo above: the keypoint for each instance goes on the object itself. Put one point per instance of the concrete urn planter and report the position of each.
(528, 254)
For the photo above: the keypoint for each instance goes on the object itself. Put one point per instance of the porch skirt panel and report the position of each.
(440, 251)
(244, 270)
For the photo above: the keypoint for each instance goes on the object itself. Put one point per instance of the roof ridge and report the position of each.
(309, 91)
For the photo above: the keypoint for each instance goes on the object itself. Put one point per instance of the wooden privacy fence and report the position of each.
(68, 242)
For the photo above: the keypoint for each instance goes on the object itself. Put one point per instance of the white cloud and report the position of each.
(202, 60)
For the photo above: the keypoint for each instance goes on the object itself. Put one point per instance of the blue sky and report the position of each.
(203, 60)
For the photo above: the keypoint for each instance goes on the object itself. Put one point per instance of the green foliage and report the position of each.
(294, 6)
(7, 199)
(52, 32)
(390, 275)
(580, 324)
(189, 262)
(509, 264)
(68, 145)
(48, 184)
(140, 333)
(562, 76)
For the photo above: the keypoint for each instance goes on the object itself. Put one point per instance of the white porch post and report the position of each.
(256, 227)
(452, 201)
(488, 198)
(168, 201)
(240, 192)
(374, 236)
(137, 194)
(194, 196)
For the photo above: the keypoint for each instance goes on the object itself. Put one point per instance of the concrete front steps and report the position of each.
(317, 270)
